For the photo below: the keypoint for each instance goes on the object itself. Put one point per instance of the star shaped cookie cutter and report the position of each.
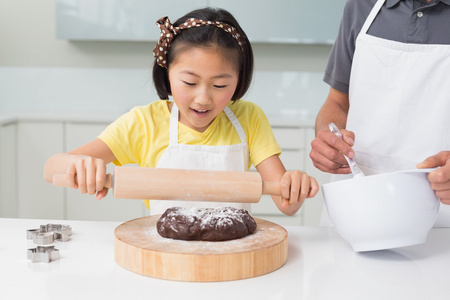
(43, 254)
(47, 234)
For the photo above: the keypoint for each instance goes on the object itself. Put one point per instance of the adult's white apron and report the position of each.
(399, 104)
(202, 157)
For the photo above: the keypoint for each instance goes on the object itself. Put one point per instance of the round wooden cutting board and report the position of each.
(139, 248)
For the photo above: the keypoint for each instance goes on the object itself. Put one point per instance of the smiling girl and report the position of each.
(204, 61)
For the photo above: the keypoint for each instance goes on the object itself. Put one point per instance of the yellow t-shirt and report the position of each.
(142, 135)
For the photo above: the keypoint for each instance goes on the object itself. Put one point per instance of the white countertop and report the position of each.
(320, 265)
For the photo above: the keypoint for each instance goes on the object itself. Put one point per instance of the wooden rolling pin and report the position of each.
(189, 185)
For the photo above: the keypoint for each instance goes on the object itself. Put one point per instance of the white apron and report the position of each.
(399, 104)
(202, 157)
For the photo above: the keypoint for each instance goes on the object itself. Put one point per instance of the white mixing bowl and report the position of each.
(382, 211)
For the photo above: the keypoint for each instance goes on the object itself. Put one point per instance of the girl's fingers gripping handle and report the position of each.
(66, 180)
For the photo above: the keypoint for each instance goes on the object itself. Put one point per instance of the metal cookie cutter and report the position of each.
(49, 233)
(43, 254)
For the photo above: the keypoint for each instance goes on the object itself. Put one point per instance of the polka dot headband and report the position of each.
(169, 32)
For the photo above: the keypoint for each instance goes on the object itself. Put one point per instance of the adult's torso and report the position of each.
(406, 21)
(399, 101)
(415, 22)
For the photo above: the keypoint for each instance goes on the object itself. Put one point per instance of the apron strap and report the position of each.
(237, 125)
(173, 133)
(372, 15)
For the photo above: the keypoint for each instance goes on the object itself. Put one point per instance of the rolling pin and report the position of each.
(189, 185)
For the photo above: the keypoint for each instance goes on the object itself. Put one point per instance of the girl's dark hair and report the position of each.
(207, 36)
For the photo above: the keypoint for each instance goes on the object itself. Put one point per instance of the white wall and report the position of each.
(28, 48)
(27, 38)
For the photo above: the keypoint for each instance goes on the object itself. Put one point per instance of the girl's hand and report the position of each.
(86, 165)
(89, 175)
(440, 178)
(296, 186)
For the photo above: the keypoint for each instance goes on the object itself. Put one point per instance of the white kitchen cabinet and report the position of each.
(85, 206)
(36, 142)
(8, 198)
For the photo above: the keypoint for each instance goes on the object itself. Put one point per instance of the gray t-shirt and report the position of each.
(406, 21)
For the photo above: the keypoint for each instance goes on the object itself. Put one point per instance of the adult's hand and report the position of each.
(327, 151)
(326, 148)
(440, 178)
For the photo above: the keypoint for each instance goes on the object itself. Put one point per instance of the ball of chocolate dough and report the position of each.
(205, 224)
